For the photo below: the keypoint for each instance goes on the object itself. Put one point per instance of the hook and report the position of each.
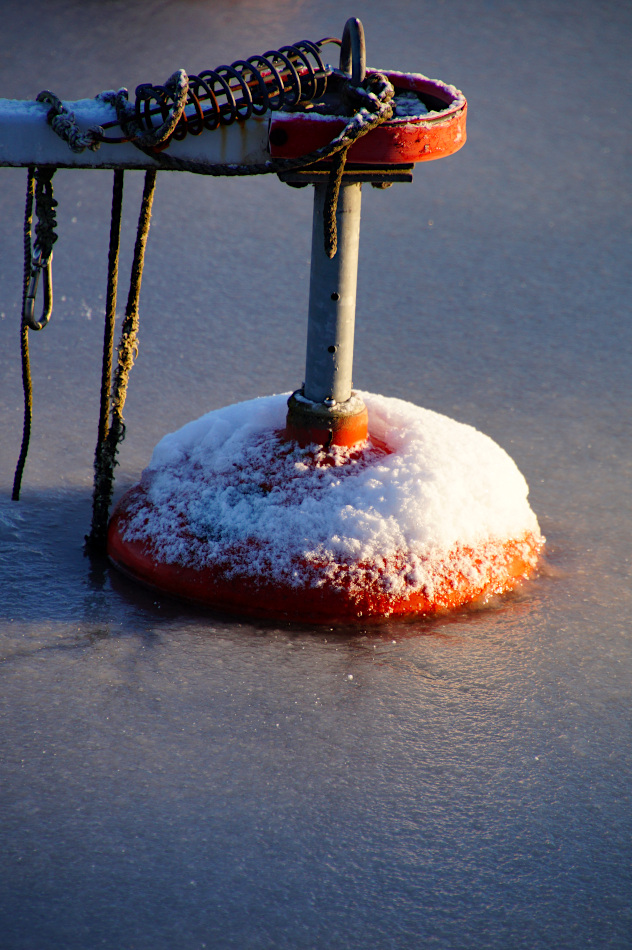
(28, 313)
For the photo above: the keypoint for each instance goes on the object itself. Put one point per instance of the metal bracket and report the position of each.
(353, 172)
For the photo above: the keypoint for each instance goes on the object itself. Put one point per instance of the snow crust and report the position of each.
(408, 104)
(228, 487)
(457, 97)
(92, 111)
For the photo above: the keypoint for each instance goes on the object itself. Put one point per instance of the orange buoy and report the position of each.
(423, 516)
(351, 505)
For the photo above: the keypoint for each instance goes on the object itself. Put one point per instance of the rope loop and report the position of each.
(64, 124)
(171, 100)
(42, 257)
(374, 93)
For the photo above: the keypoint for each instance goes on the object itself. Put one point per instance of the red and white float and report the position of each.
(334, 505)
(425, 515)
(345, 506)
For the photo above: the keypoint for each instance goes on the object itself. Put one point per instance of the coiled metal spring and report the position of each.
(278, 79)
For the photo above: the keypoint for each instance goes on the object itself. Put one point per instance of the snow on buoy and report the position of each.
(425, 515)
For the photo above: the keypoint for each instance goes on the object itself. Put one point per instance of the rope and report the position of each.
(374, 113)
(373, 96)
(375, 92)
(45, 206)
(27, 385)
(42, 262)
(370, 101)
(39, 187)
(64, 124)
(175, 89)
(107, 445)
(95, 541)
(330, 225)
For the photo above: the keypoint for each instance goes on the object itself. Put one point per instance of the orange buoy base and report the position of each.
(463, 576)
(422, 516)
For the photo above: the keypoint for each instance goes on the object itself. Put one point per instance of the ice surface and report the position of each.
(238, 486)
(470, 787)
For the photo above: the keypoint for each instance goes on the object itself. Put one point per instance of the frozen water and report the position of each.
(175, 779)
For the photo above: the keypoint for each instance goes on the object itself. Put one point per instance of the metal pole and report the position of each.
(332, 300)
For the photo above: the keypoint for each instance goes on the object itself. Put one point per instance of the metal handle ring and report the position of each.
(353, 51)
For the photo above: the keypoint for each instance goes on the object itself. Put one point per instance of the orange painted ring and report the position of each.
(307, 428)
(400, 141)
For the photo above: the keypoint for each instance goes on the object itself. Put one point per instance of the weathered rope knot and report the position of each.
(45, 205)
(373, 95)
(64, 124)
(171, 98)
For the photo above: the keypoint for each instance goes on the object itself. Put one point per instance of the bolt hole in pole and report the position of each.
(328, 366)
